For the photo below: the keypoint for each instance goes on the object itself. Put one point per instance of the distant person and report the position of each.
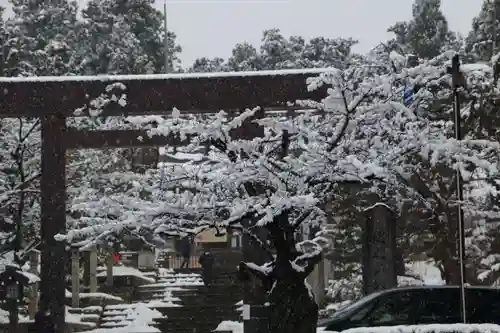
(43, 323)
(207, 266)
(186, 244)
(116, 258)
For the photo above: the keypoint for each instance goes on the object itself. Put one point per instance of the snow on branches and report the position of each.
(281, 179)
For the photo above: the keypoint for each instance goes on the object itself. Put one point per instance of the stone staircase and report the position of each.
(202, 308)
(89, 314)
(123, 315)
(178, 302)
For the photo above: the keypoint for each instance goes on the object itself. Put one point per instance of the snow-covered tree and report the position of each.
(426, 35)
(275, 50)
(284, 179)
(324, 52)
(483, 39)
(39, 38)
(245, 57)
(19, 179)
(205, 65)
(124, 37)
(3, 37)
(278, 52)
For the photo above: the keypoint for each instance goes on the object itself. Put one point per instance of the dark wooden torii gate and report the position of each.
(53, 99)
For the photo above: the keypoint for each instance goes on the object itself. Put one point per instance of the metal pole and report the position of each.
(457, 81)
(167, 55)
(494, 29)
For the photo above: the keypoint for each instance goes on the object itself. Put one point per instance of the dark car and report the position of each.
(417, 305)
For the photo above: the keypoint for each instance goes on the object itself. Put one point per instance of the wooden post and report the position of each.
(34, 259)
(320, 296)
(53, 219)
(75, 278)
(86, 269)
(93, 270)
(109, 270)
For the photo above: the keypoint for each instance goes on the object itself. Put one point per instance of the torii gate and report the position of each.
(53, 99)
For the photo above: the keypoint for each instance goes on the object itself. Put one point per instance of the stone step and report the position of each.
(213, 290)
(187, 270)
(208, 298)
(200, 309)
(203, 322)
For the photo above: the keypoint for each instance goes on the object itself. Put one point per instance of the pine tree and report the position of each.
(278, 52)
(39, 38)
(206, 65)
(427, 34)
(3, 38)
(125, 37)
(275, 50)
(327, 52)
(482, 41)
(245, 58)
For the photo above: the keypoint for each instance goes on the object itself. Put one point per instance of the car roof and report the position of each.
(434, 287)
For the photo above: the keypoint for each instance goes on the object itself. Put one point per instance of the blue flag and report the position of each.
(408, 96)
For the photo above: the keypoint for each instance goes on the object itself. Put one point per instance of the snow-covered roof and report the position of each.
(105, 78)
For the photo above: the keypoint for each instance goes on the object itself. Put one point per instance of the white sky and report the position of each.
(212, 27)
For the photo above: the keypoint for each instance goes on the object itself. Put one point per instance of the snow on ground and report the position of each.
(432, 328)
(71, 318)
(4, 317)
(237, 327)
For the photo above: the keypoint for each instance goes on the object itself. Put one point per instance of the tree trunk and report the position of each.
(292, 306)
(446, 250)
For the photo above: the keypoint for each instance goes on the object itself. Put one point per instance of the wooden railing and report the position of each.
(175, 261)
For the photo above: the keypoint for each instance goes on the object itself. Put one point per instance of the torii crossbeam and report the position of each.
(53, 99)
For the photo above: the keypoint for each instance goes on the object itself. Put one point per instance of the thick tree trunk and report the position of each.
(292, 307)
(446, 250)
